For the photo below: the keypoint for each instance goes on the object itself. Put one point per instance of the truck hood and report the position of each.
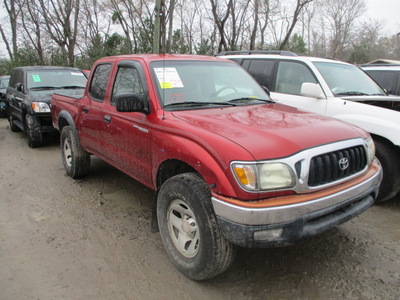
(268, 131)
(388, 102)
(372, 98)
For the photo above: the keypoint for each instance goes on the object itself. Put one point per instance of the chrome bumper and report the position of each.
(290, 213)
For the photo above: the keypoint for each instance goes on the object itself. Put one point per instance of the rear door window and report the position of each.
(98, 85)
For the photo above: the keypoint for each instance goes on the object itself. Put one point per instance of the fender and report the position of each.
(65, 115)
(375, 125)
(202, 157)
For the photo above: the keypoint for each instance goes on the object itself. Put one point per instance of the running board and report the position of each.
(19, 124)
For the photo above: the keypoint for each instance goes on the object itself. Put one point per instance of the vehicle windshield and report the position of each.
(348, 80)
(201, 84)
(55, 79)
(4, 82)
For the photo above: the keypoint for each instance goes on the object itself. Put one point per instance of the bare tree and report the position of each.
(340, 17)
(255, 26)
(299, 7)
(31, 22)
(13, 13)
(61, 23)
(221, 16)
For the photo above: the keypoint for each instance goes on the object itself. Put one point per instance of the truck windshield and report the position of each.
(348, 80)
(201, 84)
(4, 82)
(55, 79)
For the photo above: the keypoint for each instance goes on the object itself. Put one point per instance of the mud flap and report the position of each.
(154, 223)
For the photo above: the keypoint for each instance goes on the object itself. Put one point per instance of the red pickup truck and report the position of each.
(229, 166)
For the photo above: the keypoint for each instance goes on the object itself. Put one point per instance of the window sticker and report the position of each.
(168, 78)
(36, 78)
(76, 74)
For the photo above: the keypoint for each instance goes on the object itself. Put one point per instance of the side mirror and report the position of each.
(131, 102)
(19, 86)
(312, 90)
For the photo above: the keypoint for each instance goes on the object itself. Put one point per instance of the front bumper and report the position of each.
(45, 123)
(262, 225)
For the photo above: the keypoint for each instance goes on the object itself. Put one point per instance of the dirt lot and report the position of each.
(91, 239)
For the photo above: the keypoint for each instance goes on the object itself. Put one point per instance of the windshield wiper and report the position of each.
(44, 88)
(246, 99)
(71, 87)
(194, 103)
(351, 93)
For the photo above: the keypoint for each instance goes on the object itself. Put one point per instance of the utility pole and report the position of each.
(157, 27)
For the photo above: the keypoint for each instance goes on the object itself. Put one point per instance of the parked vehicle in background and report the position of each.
(229, 166)
(336, 89)
(3, 103)
(29, 94)
(386, 75)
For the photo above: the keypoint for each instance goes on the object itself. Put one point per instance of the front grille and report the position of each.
(333, 166)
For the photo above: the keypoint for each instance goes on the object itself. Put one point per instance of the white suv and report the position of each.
(336, 89)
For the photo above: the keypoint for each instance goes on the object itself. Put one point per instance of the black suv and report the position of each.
(29, 93)
(386, 75)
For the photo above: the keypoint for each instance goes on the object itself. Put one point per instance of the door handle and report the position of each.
(85, 110)
(107, 118)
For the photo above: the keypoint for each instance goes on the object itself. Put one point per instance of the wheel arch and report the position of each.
(389, 157)
(170, 168)
(65, 119)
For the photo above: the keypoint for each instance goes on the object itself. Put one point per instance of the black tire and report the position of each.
(76, 161)
(33, 131)
(389, 158)
(13, 127)
(192, 239)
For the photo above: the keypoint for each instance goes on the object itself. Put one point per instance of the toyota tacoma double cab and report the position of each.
(228, 165)
(335, 89)
(28, 97)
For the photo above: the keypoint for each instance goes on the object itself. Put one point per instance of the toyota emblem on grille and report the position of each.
(343, 163)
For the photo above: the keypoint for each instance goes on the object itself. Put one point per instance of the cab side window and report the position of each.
(98, 85)
(17, 76)
(127, 81)
(291, 76)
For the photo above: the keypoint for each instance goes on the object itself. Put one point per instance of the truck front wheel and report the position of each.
(389, 158)
(33, 131)
(76, 160)
(189, 228)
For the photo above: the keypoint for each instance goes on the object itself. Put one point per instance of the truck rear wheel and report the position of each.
(189, 228)
(389, 158)
(33, 131)
(76, 160)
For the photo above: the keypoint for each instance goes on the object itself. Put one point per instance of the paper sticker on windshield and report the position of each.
(36, 78)
(76, 74)
(168, 78)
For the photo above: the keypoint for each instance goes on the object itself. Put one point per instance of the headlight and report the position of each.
(265, 176)
(370, 149)
(40, 107)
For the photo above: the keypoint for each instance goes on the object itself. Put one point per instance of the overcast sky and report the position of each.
(386, 11)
